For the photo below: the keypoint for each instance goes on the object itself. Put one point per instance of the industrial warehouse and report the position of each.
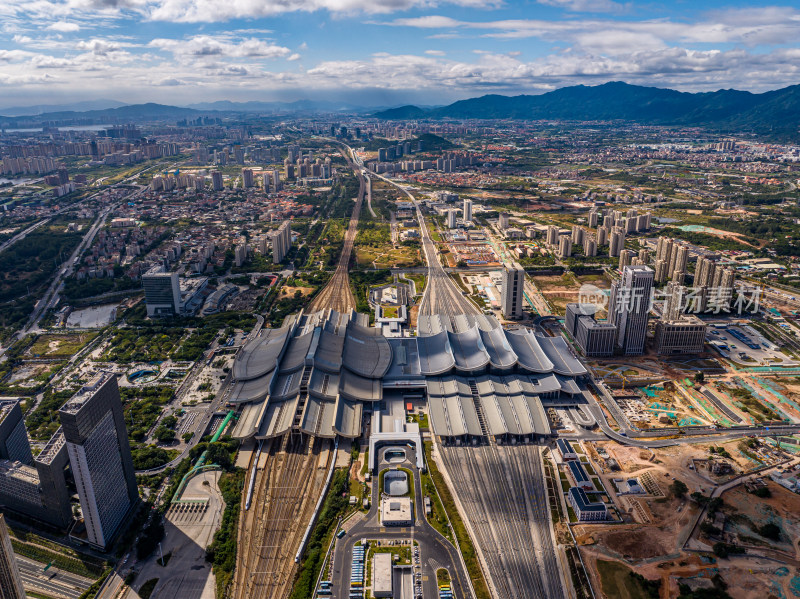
(316, 373)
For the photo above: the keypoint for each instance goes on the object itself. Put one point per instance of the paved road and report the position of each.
(54, 582)
(435, 551)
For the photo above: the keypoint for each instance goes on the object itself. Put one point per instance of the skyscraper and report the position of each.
(467, 210)
(629, 308)
(100, 457)
(248, 178)
(162, 292)
(513, 290)
(14, 444)
(216, 180)
(617, 242)
(281, 241)
(10, 580)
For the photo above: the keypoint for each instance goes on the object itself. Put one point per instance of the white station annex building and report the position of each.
(318, 372)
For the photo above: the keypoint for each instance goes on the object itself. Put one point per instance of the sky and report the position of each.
(383, 52)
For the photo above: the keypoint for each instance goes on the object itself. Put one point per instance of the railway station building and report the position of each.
(320, 371)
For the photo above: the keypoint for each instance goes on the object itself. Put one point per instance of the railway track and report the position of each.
(271, 531)
(503, 493)
(337, 293)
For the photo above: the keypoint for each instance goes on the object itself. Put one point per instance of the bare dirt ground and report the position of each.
(287, 290)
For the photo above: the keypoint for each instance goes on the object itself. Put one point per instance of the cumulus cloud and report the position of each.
(64, 27)
(201, 46)
(585, 5)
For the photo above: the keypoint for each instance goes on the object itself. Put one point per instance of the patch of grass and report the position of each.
(618, 581)
(86, 567)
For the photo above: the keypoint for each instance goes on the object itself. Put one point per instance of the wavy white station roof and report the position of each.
(545, 383)
(250, 390)
(530, 355)
(286, 385)
(250, 420)
(468, 350)
(360, 388)
(558, 353)
(278, 418)
(435, 354)
(347, 420)
(295, 356)
(501, 355)
(260, 356)
(366, 351)
(324, 384)
(328, 355)
(318, 416)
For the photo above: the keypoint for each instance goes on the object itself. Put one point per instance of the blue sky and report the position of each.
(383, 52)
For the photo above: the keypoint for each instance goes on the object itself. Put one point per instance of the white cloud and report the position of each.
(201, 46)
(585, 5)
(435, 53)
(64, 27)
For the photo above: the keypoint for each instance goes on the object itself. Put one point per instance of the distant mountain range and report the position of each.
(50, 108)
(774, 112)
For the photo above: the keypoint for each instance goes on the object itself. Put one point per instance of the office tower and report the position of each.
(589, 246)
(617, 242)
(248, 178)
(467, 210)
(503, 222)
(100, 457)
(216, 180)
(10, 580)
(595, 339)
(513, 291)
(281, 241)
(162, 292)
(625, 257)
(602, 236)
(593, 216)
(629, 308)
(685, 335)
(552, 235)
(577, 235)
(451, 219)
(14, 444)
(565, 246)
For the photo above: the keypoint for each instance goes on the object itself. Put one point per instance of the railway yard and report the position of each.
(503, 495)
(290, 476)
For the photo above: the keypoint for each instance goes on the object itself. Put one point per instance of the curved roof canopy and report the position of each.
(468, 350)
(435, 354)
(557, 351)
(530, 355)
(366, 351)
(259, 356)
(499, 349)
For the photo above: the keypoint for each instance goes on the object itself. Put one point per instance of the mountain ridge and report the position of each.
(776, 111)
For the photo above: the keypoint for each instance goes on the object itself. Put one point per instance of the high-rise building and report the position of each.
(216, 181)
(595, 339)
(240, 252)
(644, 255)
(10, 580)
(625, 257)
(704, 272)
(602, 236)
(467, 210)
(664, 248)
(675, 301)
(513, 291)
(14, 444)
(577, 235)
(661, 271)
(100, 457)
(503, 221)
(683, 336)
(565, 246)
(593, 216)
(248, 178)
(162, 292)
(629, 308)
(552, 235)
(451, 219)
(617, 242)
(589, 246)
(281, 241)
(679, 262)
